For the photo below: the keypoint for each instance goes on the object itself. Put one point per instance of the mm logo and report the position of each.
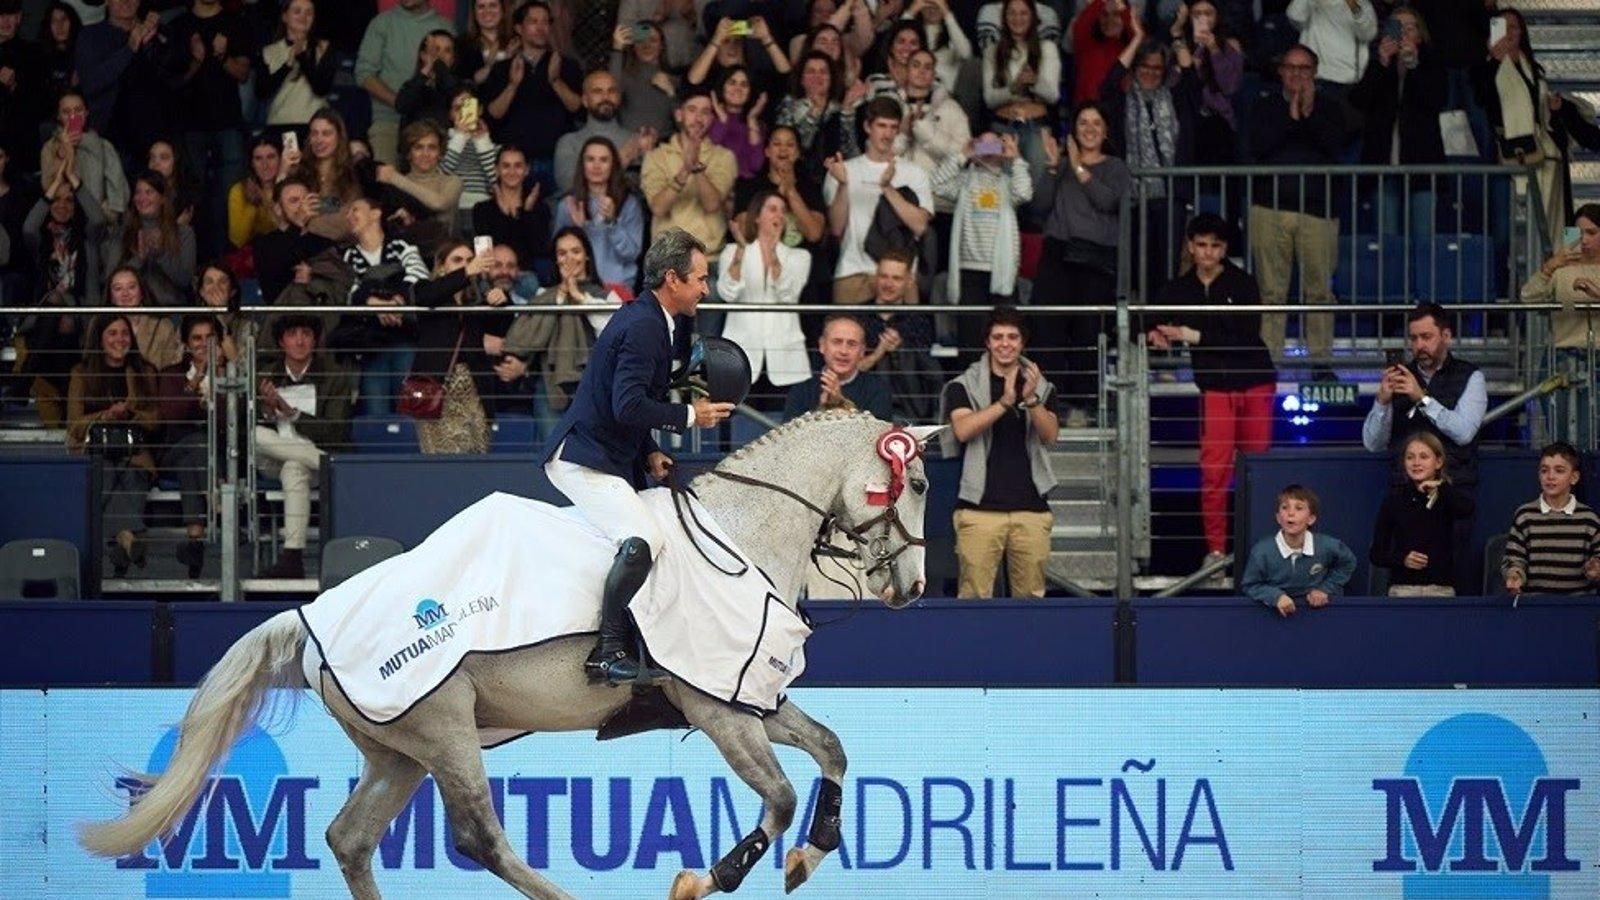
(429, 613)
(1477, 814)
(243, 838)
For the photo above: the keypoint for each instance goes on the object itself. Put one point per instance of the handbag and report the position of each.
(422, 396)
(113, 441)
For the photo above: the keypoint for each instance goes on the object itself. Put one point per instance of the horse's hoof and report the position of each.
(689, 886)
(796, 869)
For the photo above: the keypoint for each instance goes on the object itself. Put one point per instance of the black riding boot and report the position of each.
(610, 660)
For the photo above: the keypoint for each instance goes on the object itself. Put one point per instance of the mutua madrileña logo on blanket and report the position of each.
(433, 620)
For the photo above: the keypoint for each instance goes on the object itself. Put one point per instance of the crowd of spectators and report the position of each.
(891, 153)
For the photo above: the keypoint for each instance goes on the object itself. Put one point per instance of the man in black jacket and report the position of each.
(1231, 366)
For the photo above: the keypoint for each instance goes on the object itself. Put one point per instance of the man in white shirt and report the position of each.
(854, 189)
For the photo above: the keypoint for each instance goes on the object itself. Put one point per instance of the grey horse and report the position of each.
(771, 496)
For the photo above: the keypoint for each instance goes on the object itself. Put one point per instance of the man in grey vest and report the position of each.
(1003, 424)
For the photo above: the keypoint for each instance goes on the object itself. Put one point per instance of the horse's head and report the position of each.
(884, 500)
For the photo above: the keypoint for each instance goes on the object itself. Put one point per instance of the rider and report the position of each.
(602, 448)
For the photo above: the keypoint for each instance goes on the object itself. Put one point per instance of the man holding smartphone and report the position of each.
(1437, 392)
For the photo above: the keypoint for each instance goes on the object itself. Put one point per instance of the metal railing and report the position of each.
(1123, 438)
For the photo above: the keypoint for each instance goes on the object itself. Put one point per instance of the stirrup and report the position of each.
(614, 667)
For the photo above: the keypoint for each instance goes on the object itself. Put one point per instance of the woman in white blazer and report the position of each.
(760, 268)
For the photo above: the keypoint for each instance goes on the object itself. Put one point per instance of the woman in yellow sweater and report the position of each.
(1571, 276)
(250, 200)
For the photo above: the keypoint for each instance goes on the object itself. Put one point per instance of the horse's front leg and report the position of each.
(791, 727)
(742, 738)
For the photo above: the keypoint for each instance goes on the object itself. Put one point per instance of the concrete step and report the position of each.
(1543, 10)
(1078, 437)
(1082, 540)
(1079, 513)
(1583, 67)
(1550, 38)
(1081, 565)
(1072, 537)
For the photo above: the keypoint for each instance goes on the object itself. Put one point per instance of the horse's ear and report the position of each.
(925, 433)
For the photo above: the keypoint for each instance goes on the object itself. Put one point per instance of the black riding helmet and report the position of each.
(722, 367)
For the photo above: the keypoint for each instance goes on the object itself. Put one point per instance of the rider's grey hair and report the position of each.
(673, 251)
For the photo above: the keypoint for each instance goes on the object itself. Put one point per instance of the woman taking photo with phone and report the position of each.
(93, 163)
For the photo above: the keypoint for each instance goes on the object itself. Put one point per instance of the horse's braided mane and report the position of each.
(784, 431)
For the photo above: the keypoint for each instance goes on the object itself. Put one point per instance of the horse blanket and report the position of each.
(507, 573)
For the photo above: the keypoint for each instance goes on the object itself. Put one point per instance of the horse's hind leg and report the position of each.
(464, 785)
(387, 782)
(791, 727)
(744, 744)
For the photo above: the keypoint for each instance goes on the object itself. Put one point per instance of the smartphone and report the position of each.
(74, 124)
(1497, 30)
(469, 114)
(987, 147)
(1392, 28)
(482, 245)
(642, 32)
(1394, 356)
(291, 142)
(739, 28)
(1571, 236)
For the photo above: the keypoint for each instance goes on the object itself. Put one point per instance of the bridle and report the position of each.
(871, 553)
(897, 447)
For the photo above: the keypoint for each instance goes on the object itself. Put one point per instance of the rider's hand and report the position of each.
(658, 464)
(707, 413)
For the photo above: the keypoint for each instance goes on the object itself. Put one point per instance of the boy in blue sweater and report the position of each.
(1293, 564)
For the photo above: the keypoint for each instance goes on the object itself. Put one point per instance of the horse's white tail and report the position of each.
(226, 703)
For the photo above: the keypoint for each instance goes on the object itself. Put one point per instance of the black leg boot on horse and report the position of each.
(610, 660)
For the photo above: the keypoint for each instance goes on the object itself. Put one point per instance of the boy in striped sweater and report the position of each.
(1554, 544)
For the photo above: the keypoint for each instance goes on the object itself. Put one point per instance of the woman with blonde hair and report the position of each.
(1414, 536)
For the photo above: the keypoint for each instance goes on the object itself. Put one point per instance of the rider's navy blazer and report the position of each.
(622, 395)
